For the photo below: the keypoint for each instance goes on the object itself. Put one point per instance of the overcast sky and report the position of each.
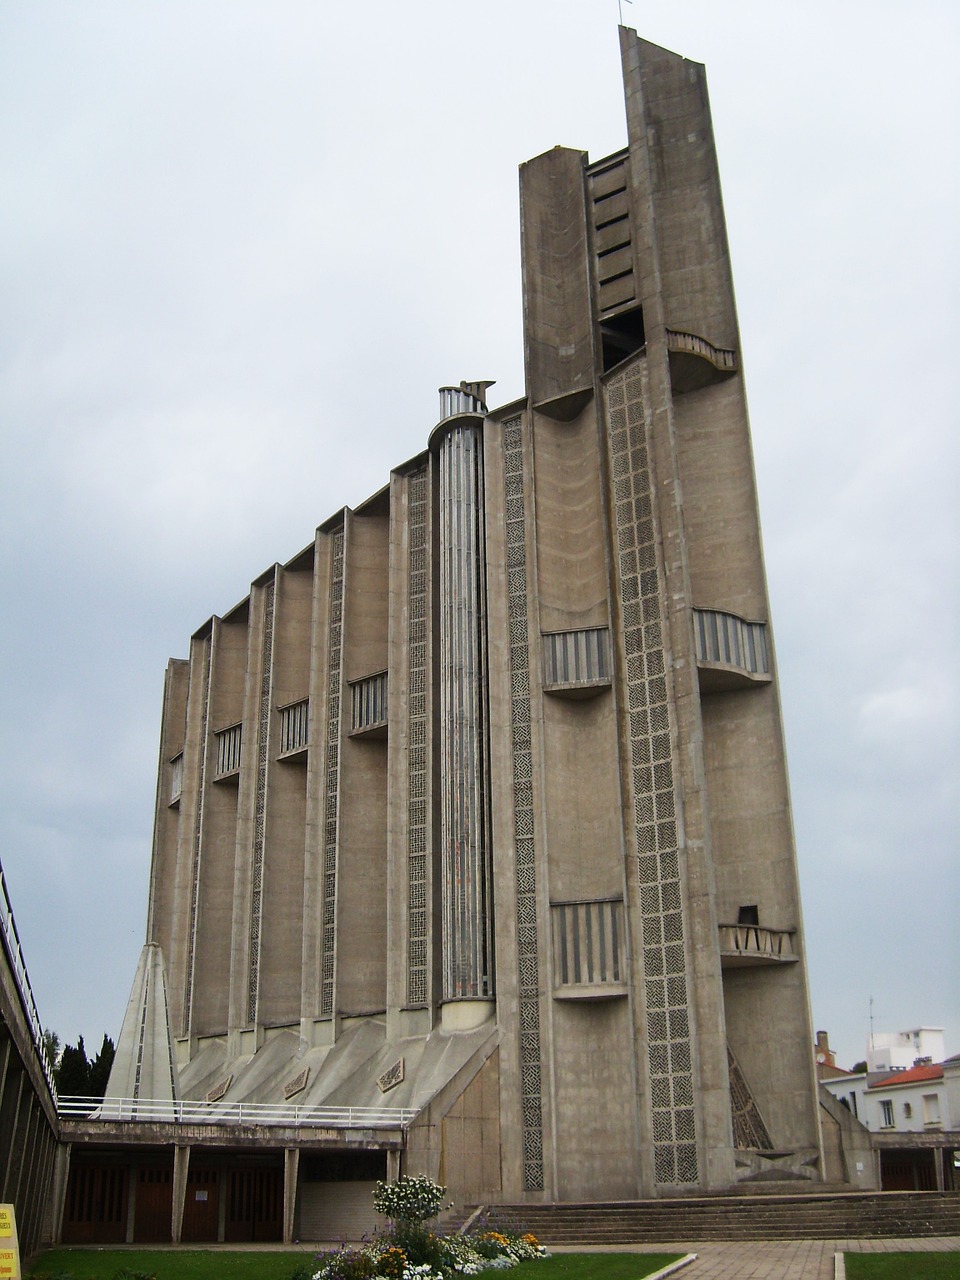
(242, 244)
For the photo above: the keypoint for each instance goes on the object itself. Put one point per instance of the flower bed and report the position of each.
(408, 1250)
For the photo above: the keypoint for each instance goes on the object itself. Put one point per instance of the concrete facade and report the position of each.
(478, 805)
(29, 1128)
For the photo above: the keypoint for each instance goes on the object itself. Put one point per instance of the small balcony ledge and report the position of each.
(747, 945)
(696, 363)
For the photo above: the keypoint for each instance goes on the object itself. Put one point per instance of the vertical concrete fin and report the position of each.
(144, 1063)
(557, 312)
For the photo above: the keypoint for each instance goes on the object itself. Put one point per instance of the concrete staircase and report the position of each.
(821, 1216)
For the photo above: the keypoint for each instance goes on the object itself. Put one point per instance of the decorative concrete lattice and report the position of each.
(749, 1131)
(296, 1085)
(197, 843)
(529, 985)
(259, 817)
(417, 758)
(332, 780)
(669, 1071)
(392, 1076)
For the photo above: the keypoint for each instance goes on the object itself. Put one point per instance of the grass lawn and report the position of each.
(217, 1264)
(902, 1266)
(168, 1264)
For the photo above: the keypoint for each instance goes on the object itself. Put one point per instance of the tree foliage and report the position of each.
(74, 1076)
(100, 1068)
(51, 1047)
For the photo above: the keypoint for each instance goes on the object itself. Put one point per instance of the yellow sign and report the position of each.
(9, 1253)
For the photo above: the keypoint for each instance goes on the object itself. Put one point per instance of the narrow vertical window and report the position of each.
(229, 742)
(369, 705)
(176, 778)
(294, 727)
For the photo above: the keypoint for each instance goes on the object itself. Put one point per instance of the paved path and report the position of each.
(775, 1259)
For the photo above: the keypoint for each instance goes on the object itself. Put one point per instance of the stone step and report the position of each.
(821, 1216)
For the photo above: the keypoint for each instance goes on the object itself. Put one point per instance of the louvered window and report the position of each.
(576, 660)
(723, 637)
(228, 751)
(369, 702)
(176, 778)
(588, 950)
(294, 727)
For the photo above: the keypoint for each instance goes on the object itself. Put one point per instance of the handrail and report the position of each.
(11, 944)
(187, 1111)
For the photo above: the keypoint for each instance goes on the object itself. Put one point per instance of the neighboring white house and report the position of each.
(899, 1050)
(849, 1088)
(913, 1116)
(919, 1100)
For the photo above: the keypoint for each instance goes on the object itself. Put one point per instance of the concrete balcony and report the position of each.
(731, 651)
(746, 945)
(696, 363)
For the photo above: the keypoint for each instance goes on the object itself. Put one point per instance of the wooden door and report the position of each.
(254, 1204)
(96, 1206)
(201, 1209)
(153, 1212)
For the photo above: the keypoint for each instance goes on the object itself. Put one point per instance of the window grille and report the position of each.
(887, 1110)
(723, 637)
(588, 943)
(576, 657)
(369, 699)
(294, 727)
(176, 778)
(228, 750)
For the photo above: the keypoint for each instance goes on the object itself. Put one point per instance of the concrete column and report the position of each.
(28, 1137)
(58, 1191)
(11, 1130)
(50, 1149)
(393, 1166)
(291, 1170)
(181, 1167)
(5, 1051)
(133, 1183)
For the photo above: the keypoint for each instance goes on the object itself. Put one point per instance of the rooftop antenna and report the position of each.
(620, 9)
(871, 1023)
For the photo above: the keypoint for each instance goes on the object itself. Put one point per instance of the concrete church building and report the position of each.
(475, 812)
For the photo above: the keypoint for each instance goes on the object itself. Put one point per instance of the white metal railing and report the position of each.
(14, 952)
(756, 941)
(165, 1111)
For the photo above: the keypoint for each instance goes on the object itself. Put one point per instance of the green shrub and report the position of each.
(303, 1272)
(415, 1199)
